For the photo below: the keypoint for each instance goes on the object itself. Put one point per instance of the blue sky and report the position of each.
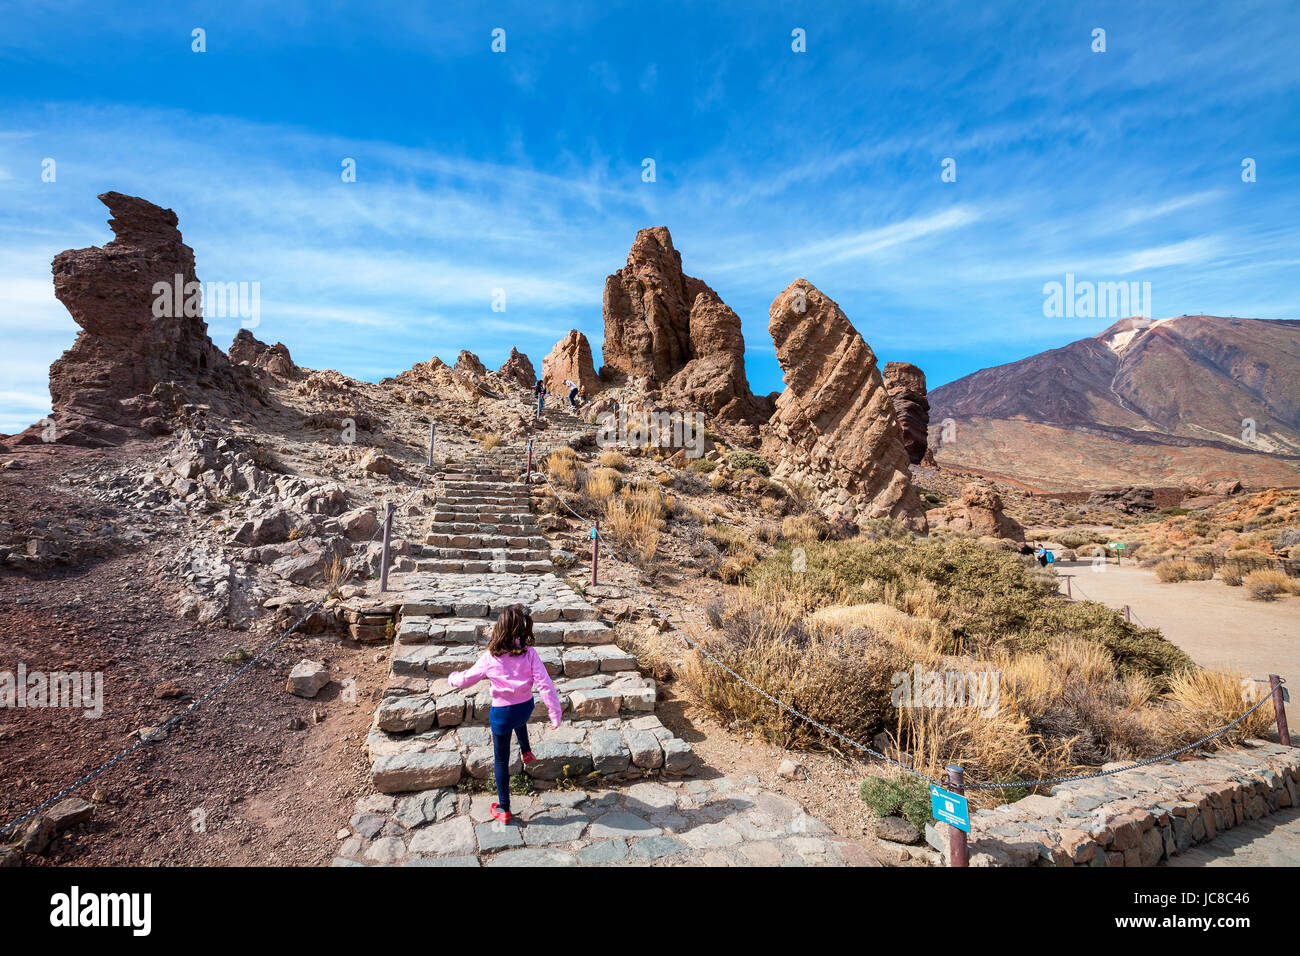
(521, 170)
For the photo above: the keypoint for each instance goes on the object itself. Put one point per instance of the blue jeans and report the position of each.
(541, 400)
(503, 720)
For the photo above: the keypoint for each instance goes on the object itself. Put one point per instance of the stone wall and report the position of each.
(1135, 818)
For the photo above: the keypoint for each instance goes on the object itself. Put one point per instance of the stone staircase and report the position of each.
(483, 551)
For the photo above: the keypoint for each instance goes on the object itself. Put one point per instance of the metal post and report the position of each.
(1279, 705)
(433, 433)
(528, 475)
(388, 538)
(595, 550)
(958, 851)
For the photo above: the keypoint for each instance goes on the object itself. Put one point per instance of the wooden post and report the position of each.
(1279, 706)
(1128, 615)
(958, 850)
(433, 433)
(595, 550)
(384, 555)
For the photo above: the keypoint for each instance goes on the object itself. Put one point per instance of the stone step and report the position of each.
(449, 552)
(455, 629)
(612, 750)
(490, 541)
(463, 498)
(514, 529)
(497, 513)
(457, 566)
(424, 662)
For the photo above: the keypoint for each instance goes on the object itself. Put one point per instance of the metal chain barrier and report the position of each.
(172, 721)
(858, 745)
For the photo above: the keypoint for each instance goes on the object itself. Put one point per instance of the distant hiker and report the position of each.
(513, 667)
(573, 393)
(1026, 549)
(540, 391)
(1041, 554)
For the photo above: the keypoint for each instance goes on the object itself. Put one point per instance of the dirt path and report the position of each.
(1218, 625)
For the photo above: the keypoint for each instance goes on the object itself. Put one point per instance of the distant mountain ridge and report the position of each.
(1199, 395)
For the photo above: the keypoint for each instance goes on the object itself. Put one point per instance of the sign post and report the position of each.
(1119, 547)
(951, 807)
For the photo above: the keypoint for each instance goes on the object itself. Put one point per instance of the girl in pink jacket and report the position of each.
(514, 668)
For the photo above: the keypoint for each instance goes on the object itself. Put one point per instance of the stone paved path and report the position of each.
(1271, 841)
(611, 786)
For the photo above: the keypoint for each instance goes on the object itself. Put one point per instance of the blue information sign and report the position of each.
(949, 807)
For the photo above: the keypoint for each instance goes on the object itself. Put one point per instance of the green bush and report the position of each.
(740, 460)
(906, 796)
(702, 465)
(982, 598)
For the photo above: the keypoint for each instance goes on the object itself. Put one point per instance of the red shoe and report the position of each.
(499, 814)
(528, 757)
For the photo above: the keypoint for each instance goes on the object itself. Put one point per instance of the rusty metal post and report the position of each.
(595, 550)
(1279, 706)
(1069, 594)
(528, 475)
(388, 539)
(433, 433)
(958, 850)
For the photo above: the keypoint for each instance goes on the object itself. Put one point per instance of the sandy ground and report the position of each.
(1219, 626)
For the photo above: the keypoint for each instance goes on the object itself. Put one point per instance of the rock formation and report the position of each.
(570, 360)
(274, 358)
(518, 370)
(467, 363)
(906, 385)
(1126, 500)
(834, 426)
(980, 512)
(673, 332)
(133, 338)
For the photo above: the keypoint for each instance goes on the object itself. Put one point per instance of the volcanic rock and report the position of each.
(101, 387)
(1128, 500)
(673, 332)
(834, 426)
(570, 360)
(274, 358)
(467, 363)
(518, 370)
(980, 513)
(906, 385)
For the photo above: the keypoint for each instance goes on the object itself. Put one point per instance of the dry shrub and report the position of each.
(1231, 574)
(718, 482)
(841, 680)
(805, 527)
(1266, 585)
(734, 567)
(612, 458)
(601, 485)
(562, 467)
(918, 637)
(1170, 572)
(636, 517)
(1200, 702)
(490, 441)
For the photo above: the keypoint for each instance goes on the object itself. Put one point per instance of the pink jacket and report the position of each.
(513, 680)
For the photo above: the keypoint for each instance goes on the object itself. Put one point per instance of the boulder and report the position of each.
(906, 385)
(359, 525)
(248, 349)
(1127, 500)
(834, 426)
(307, 678)
(518, 370)
(672, 332)
(979, 513)
(570, 360)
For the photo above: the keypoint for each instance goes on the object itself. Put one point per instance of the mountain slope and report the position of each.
(1186, 389)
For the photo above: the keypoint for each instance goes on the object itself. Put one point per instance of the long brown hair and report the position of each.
(513, 632)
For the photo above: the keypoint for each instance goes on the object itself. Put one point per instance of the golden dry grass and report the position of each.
(636, 517)
(1267, 585)
(562, 467)
(804, 527)
(612, 458)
